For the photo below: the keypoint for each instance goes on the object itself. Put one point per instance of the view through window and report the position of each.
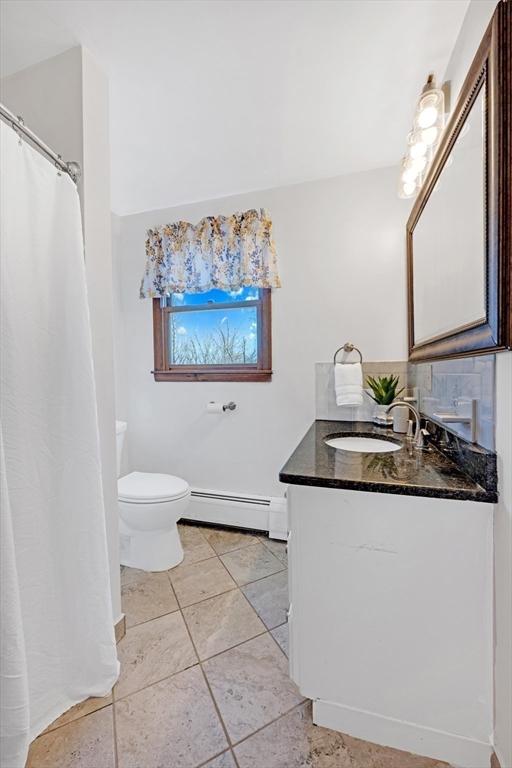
(216, 335)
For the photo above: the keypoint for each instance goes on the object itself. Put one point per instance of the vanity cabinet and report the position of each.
(390, 618)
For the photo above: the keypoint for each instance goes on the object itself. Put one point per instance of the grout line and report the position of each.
(275, 641)
(236, 645)
(219, 715)
(216, 707)
(232, 647)
(153, 618)
(200, 662)
(47, 732)
(183, 564)
(264, 542)
(114, 728)
(279, 570)
(284, 567)
(155, 682)
(224, 751)
(255, 611)
(275, 720)
(203, 599)
(212, 697)
(262, 578)
(237, 548)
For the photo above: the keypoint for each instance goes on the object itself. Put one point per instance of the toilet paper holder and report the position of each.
(217, 406)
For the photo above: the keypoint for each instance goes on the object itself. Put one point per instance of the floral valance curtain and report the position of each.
(226, 252)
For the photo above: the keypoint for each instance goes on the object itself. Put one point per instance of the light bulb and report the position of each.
(409, 175)
(429, 135)
(427, 117)
(419, 164)
(423, 139)
(418, 149)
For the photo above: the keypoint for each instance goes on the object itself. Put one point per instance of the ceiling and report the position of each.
(215, 97)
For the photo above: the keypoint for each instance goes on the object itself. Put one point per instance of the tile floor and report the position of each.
(204, 674)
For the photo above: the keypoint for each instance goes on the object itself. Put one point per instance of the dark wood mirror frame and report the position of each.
(492, 65)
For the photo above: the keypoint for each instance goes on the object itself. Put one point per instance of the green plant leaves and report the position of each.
(384, 389)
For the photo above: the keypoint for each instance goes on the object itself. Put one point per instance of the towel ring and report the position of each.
(347, 347)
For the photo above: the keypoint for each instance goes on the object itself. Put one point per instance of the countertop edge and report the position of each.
(487, 497)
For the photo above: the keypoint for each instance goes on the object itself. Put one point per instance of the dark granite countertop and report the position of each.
(407, 472)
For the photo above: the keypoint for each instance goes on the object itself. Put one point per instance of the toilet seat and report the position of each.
(151, 488)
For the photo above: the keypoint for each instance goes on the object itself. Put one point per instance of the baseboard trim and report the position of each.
(120, 628)
(495, 763)
(410, 737)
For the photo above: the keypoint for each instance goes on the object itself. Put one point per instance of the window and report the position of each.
(213, 336)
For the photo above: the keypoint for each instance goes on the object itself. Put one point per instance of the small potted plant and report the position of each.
(383, 392)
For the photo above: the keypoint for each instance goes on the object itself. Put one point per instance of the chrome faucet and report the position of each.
(419, 433)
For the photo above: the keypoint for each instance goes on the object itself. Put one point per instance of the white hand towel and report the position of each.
(348, 383)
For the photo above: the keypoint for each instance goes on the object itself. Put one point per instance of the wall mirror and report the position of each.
(458, 234)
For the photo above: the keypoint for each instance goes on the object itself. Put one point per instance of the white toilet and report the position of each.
(150, 506)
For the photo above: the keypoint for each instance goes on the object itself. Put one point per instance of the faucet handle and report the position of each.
(419, 443)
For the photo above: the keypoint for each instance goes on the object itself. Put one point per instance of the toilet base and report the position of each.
(151, 550)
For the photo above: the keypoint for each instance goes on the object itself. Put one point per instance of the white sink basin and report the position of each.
(363, 444)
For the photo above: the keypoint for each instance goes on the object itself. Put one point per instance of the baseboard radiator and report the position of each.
(262, 513)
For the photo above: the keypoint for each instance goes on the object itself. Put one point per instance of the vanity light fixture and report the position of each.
(423, 139)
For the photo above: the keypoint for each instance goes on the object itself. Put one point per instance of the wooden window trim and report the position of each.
(260, 372)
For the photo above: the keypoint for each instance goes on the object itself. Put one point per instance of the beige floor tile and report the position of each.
(225, 760)
(84, 743)
(80, 710)
(269, 598)
(370, 755)
(171, 724)
(147, 597)
(198, 581)
(195, 545)
(294, 742)
(226, 541)
(128, 575)
(151, 651)
(221, 622)
(278, 548)
(251, 563)
(281, 635)
(251, 686)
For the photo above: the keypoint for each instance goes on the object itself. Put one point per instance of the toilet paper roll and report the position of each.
(215, 407)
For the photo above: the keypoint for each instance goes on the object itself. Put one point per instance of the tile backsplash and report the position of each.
(326, 407)
(448, 386)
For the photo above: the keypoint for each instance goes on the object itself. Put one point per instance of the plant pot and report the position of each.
(381, 418)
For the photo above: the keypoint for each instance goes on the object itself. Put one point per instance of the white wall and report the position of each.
(65, 101)
(98, 263)
(476, 20)
(340, 243)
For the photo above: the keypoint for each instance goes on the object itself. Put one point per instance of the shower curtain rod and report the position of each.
(17, 123)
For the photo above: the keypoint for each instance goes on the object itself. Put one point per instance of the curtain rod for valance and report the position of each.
(18, 124)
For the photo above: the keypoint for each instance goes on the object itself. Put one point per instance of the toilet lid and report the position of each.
(148, 487)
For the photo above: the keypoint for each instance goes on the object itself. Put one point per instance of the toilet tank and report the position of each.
(120, 432)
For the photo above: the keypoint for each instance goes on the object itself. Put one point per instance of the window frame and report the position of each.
(261, 371)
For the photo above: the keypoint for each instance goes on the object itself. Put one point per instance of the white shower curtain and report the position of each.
(57, 633)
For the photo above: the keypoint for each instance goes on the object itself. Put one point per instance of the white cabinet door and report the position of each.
(392, 606)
